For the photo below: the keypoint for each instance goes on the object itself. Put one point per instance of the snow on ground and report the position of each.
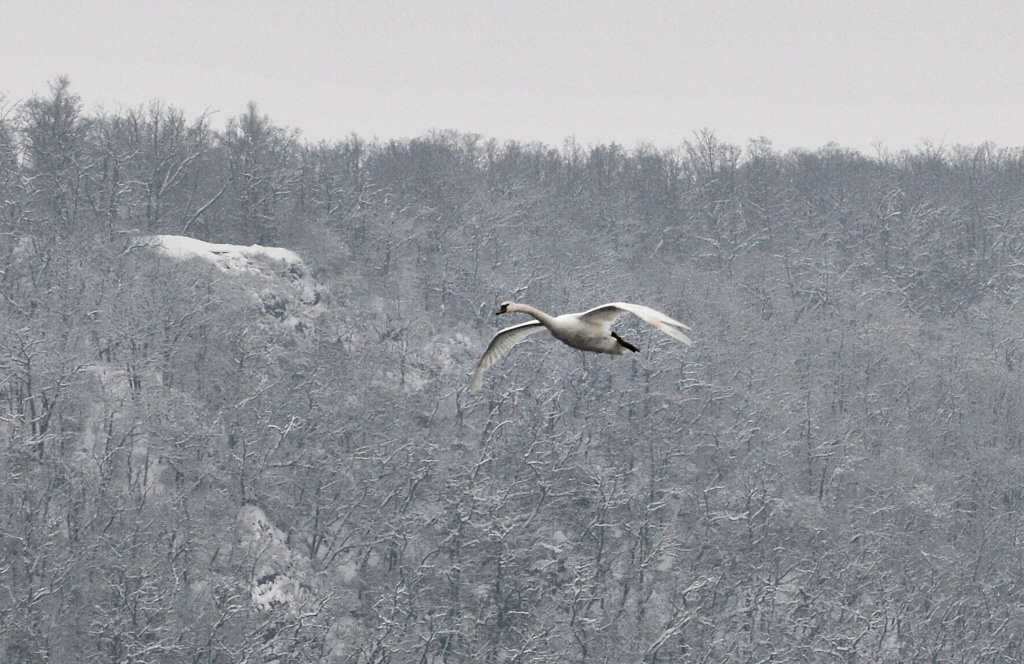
(227, 257)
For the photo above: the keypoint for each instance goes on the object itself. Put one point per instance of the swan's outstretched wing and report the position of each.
(607, 313)
(501, 344)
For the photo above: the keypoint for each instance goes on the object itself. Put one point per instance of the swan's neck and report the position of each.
(547, 320)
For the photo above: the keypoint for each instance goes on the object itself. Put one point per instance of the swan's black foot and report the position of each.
(625, 344)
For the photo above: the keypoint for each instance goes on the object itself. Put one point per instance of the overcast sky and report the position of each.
(800, 73)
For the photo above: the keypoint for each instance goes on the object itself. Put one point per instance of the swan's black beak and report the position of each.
(504, 309)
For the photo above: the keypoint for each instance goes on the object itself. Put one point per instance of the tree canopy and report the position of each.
(832, 472)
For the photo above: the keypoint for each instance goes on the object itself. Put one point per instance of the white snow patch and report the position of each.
(227, 257)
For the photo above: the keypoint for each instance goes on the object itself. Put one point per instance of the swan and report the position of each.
(590, 330)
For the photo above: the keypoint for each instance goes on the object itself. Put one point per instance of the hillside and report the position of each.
(219, 452)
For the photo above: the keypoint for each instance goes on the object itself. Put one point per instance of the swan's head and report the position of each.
(503, 309)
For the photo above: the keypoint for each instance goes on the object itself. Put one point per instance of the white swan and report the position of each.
(590, 330)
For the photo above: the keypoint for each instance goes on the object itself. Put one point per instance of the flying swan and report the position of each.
(590, 331)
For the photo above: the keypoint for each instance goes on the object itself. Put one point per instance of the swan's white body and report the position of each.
(590, 330)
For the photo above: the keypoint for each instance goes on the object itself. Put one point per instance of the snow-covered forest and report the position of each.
(229, 455)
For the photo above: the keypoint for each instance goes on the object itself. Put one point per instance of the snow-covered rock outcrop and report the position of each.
(228, 257)
(283, 286)
(279, 576)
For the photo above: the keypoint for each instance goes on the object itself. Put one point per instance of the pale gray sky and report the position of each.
(800, 73)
